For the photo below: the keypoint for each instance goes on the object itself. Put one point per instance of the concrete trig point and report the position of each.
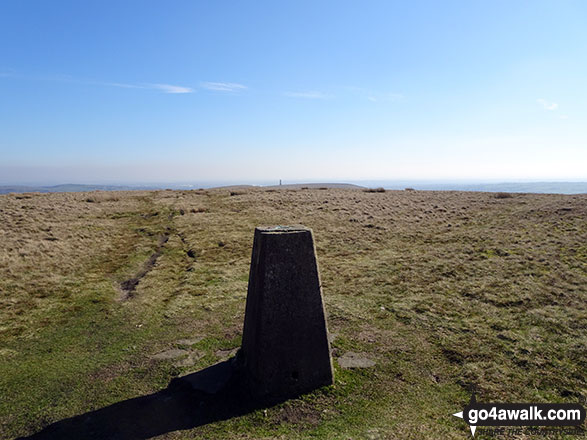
(285, 349)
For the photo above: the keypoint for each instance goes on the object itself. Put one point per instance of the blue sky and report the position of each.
(144, 91)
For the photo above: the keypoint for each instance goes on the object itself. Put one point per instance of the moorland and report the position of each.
(108, 296)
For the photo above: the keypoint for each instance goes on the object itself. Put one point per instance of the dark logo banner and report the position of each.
(521, 414)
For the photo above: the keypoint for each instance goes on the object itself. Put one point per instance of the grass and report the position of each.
(443, 290)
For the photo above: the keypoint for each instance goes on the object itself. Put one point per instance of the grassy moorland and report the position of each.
(108, 296)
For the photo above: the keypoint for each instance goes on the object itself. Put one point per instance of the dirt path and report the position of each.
(129, 286)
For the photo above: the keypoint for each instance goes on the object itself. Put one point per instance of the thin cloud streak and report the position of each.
(222, 86)
(547, 105)
(168, 88)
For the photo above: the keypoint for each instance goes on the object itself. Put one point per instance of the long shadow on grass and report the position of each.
(209, 395)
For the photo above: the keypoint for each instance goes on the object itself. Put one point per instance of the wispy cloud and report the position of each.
(308, 95)
(166, 88)
(169, 88)
(563, 117)
(547, 105)
(222, 86)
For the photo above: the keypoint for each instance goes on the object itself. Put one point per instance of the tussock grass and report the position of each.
(101, 197)
(503, 195)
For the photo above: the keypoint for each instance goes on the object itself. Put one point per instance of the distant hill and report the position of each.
(68, 187)
(316, 185)
(7, 189)
(522, 187)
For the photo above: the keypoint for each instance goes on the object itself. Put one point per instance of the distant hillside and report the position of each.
(316, 185)
(520, 187)
(6, 189)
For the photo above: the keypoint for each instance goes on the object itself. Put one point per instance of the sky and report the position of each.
(180, 91)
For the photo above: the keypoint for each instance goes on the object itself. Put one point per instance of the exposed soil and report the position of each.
(129, 286)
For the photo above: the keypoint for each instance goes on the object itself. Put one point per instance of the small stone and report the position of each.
(354, 360)
(190, 360)
(189, 342)
(225, 354)
(332, 337)
(170, 354)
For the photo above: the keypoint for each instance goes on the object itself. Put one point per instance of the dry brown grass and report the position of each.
(503, 195)
(375, 190)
